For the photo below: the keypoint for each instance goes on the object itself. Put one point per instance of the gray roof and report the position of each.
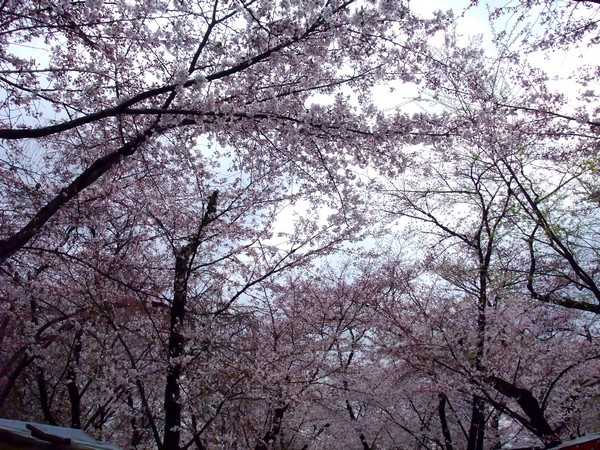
(40, 434)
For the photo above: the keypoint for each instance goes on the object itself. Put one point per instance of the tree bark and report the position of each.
(477, 428)
(172, 402)
(530, 407)
(274, 429)
(72, 388)
(444, 422)
(40, 378)
(136, 437)
(361, 435)
(12, 377)
(496, 442)
(176, 346)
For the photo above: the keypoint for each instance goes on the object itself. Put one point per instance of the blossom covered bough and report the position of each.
(212, 236)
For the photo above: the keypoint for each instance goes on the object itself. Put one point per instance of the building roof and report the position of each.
(36, 435)
(579, 442)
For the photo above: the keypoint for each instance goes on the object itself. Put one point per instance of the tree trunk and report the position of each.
(12, 377)
(530, 407)
(176, 344)
(477, 428)
(361, 436)
(72, 388)
(136, 437)
(40, 378)
(444, 422)
(274, 429)
(172, 401)
(496, 443)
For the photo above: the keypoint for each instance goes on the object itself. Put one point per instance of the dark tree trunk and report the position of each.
(72, 388)
(444, 422)
(12, 377)
(496, 443)
(477, 428)
(172, 401)
(361, 436)
(274, 429)
(40, 378)
(136, 437)
(176, 344)
(530, 407)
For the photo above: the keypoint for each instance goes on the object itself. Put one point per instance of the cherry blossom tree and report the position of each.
(185, 190)
(241, 73)
(103, 173)
(160, 294)
(482, 198)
